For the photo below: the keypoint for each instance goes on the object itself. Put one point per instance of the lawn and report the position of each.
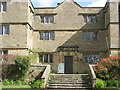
(12, 87)
(109, 88)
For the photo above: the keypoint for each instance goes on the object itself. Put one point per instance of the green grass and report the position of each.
(109, 88)
(12, 86)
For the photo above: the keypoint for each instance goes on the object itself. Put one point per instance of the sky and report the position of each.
(84, 3)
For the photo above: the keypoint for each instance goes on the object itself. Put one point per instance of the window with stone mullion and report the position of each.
(3, 52)
(6, 29)
(52, 35)
(46, 58)
(91, 58)
(46, 19)
(1, 30)
(51, 58)
(3, 6)
(51, 19)
(42, 19)
(46, 36)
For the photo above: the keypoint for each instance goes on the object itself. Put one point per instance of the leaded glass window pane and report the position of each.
(91, 58)
(51, 19)
(51, 35)
(93, 19)
(95, 36)
(6, 29)
(47, 19)
(90, 35)
(0, 52)
(40, 58)
(42, 19)
(85, 19)
(5, 52)
(46, 35)
(51, 58)
(42, 36)
(1, 30)
(46, 58)
(90, 19)
(4, 6)
(86, 36)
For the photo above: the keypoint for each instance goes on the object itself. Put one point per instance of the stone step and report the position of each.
(62, 87)
(76, 75)
(54, 77)
(69, 76)
(69, 89)
(69, 85)
(76, 79)
(68, 82)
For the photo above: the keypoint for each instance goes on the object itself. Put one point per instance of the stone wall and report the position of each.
(78, 61)
(112, 25)
(78, 65)
(18, 51)
(68, 16)
(16, 12)
(17, 37)
(70, 38)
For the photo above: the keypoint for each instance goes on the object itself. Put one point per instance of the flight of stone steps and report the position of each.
(69, 82)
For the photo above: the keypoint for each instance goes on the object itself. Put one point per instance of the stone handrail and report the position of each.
(45, 75)
(92, 75)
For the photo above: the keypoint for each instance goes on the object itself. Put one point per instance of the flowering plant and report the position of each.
(108, 68)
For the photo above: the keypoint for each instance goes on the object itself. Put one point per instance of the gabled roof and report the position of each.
(69, 1)
(63, 2)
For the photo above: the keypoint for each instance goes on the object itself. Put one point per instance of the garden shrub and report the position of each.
(22, 65)
(11, 82)
(36, 84)
(24, 83)
(19, 82)
(112, 83)
(100, 83)
(32, 81)
(6, 82)
(108, 68)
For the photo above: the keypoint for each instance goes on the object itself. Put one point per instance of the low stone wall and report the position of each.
(39, 72)
(92, 75)
(35, 72)
(45, 75)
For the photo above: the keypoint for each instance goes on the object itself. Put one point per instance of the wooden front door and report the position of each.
(68, 61)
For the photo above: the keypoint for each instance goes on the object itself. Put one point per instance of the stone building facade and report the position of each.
(67, 34)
